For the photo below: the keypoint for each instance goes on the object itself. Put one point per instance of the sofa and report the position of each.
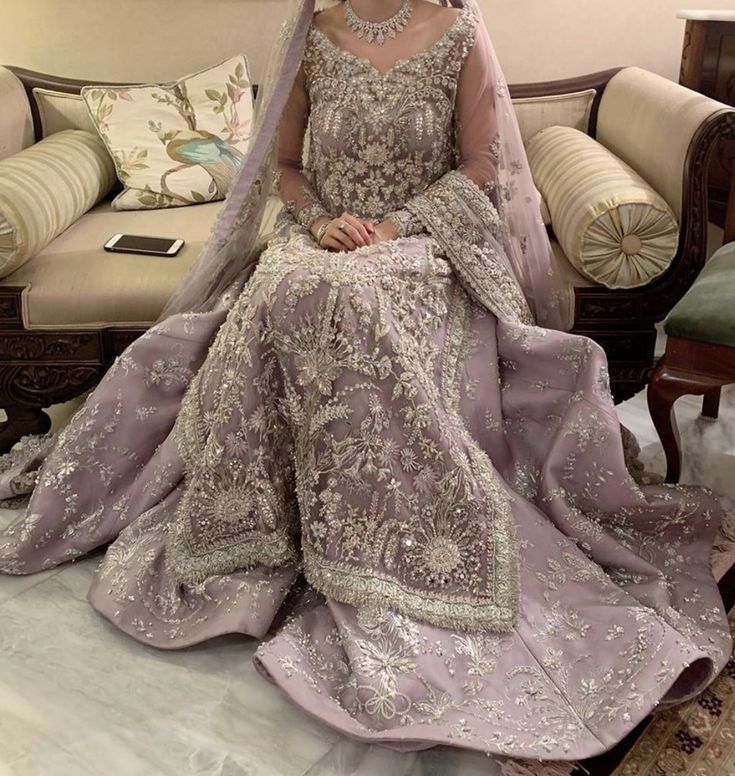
(70, 310)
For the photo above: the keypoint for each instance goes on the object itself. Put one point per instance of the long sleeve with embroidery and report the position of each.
(475, 129)
(294, 187)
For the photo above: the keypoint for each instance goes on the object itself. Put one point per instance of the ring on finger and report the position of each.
(342, 226)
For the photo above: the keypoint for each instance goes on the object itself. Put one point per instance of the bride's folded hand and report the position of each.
(385, 231)
(344, 233)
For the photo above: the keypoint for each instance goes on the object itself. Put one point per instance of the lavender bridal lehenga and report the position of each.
(374, 461)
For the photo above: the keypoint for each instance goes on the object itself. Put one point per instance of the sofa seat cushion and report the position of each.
(545, 214)
(569, 279)
(612, 225)
(706, 313)
(75, 283)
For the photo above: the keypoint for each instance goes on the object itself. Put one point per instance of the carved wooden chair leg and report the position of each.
(711, 403)
(665, 388)
(21, 421)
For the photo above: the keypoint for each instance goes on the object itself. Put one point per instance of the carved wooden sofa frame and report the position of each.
(40, 368)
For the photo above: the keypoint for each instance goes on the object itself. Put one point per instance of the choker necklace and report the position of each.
(378, 32)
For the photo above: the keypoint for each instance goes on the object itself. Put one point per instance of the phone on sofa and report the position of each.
(149, 246)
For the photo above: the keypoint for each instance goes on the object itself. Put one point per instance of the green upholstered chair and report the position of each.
(700, 352)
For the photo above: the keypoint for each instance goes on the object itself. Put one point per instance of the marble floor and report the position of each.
(708, 446)
(78, 698)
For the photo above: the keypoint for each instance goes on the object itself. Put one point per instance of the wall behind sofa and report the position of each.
(132, 40)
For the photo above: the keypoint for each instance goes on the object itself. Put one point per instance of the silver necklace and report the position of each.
(378, 32)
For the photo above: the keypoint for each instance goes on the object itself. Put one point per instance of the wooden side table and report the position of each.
(708, 66)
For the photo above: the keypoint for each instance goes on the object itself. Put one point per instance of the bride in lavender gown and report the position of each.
(364, 451)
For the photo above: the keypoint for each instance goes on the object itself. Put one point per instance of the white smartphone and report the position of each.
(150, 246)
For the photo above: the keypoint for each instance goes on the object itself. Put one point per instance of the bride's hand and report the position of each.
(385, 231)
(344, 233)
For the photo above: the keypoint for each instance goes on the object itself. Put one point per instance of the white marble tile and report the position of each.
(349, 758)
(708, 446)
(78, 697)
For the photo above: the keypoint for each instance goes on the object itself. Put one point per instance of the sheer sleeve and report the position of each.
(294, 188)
(475, 128)
(475, 121)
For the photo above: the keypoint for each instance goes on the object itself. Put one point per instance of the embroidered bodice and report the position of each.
(377, 139)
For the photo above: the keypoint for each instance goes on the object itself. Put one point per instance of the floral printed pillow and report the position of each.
(178, 143)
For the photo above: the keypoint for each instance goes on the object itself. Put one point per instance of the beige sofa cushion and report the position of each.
(558, 110)
(160, 158)
(47, 187)
(75, 282)
(59, 111)
(614, 228)
(16, 121)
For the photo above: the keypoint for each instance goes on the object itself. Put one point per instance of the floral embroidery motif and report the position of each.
(308, 214)
(475, 251)
(377, 140)
(407, 224)
(343, 403)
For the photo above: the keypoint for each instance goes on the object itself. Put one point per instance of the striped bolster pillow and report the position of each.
(613, 227)
(45, 188)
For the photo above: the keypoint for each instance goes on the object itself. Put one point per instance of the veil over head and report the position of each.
(235, 242)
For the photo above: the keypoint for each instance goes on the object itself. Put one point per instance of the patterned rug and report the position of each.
(698, 737)
(694, 739)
